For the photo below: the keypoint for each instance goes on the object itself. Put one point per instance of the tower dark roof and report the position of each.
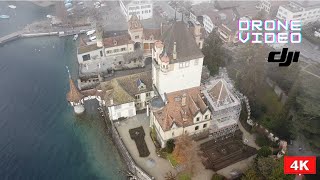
(186, 46)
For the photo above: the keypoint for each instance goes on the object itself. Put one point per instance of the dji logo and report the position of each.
(285, 57)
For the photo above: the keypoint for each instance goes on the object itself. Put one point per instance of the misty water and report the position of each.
(41, 137)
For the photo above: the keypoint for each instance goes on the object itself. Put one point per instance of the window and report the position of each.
(205, 125)
(196, 128)
(180, 65)
(198, 119)
(86, 57)
(137, 97)
(206, 117)
(148, 94)
(149, 11)
(116, 50)
(172, 133)
(123, 49)
(109, 52)
(196, 62)
(101, 54)
(187, 64)
(136, 37)
(117, 107)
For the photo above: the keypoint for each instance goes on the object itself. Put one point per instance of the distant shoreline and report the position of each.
(44, 3)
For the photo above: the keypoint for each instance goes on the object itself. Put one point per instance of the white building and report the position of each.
(270, 6)
(127, 94)
(307, 12)
(185, 112)
(143, 9)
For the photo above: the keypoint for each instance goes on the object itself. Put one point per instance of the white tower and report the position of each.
(177, 61)
(75, 97)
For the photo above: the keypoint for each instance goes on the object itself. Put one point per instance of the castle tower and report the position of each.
(135, 28)
(74, 97)
(177, 60)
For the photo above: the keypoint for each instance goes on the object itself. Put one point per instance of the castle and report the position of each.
(171, 93)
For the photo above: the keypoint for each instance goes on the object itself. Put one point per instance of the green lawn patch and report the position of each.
(172, 160)
(184, 176)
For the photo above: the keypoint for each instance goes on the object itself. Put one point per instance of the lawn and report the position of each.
(172, 160)
(184, 176)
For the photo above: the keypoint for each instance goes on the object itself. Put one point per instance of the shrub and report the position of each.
(170, 145)
(262, 140)
(265, 151)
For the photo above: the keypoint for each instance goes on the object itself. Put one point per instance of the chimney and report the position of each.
(183, 99)
(111, 101)
(174, 54)
(114, 42)
(99, 34)
(161, 28)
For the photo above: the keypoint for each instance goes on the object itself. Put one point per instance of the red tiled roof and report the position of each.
(147, 33)
(74, 94)
(117, 41)
(175, 112)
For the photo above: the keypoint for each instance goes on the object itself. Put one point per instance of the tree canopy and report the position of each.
(213, 53)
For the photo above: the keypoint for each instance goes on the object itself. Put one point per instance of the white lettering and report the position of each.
(247, 35)
(267, 26)
(294, 165)
(295, 37)
(282, 37)
(241, 22)
(303, 165)
(257, 39)
(295, 25)
(270, 39)
(256, 24)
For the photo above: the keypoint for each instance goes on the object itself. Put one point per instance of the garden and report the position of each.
(137, 134)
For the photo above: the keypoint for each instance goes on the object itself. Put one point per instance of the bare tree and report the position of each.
(187, 153)
(170, 176)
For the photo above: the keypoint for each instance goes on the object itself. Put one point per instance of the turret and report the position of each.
(158, 46)
(74, 97)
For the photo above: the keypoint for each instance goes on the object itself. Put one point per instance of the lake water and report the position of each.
(40, 136)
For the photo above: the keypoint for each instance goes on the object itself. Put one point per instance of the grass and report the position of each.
(172, 160)
(184, 176)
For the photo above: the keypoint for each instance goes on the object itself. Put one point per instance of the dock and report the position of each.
(33, 30)
(10, 37)
(25, 34)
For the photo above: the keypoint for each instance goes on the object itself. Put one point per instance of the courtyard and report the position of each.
(152, 164)
(225, 156)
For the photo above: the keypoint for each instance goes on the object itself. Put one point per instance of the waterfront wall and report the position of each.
(133, 168)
